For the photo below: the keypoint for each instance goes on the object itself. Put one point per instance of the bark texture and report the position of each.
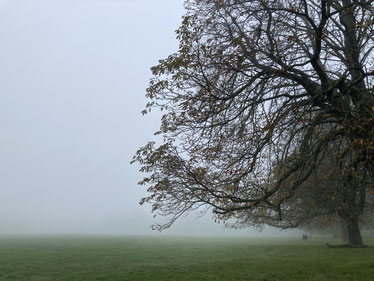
(354, 234)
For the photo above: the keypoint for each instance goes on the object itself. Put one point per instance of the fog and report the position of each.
(73, 75)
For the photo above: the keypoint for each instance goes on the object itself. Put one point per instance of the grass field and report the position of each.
(172, 258)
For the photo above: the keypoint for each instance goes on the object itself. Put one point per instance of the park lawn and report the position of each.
(91, 258)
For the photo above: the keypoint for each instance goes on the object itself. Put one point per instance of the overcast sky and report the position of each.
(73, 75)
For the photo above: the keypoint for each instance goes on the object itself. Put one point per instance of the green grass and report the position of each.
(178, 259)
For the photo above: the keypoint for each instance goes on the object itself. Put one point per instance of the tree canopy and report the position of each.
(257, 92)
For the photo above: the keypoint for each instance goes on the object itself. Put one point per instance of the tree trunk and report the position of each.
(354, 234)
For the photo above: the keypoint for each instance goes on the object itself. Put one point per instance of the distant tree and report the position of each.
(325, 199)
(255, 82)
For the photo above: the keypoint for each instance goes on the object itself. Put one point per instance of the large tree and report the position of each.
(257, 91)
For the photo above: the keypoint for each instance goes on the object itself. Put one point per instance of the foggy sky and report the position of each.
(73, 75)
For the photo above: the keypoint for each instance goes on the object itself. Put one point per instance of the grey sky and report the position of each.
(73, 75)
